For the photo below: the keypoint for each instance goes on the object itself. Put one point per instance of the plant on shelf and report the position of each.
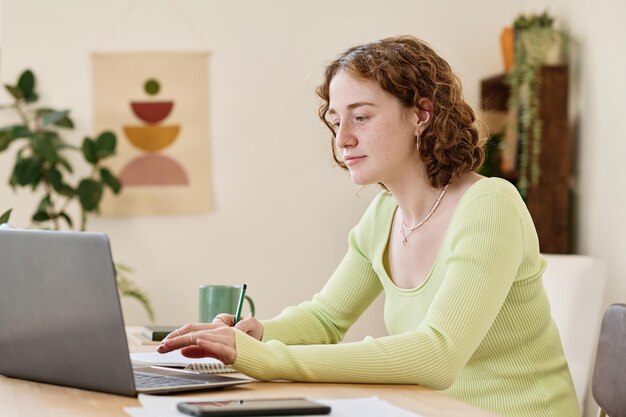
(42, 163)
(492, 165)
(537, 43)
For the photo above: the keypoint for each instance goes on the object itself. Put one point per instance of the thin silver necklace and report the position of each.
(407, 230)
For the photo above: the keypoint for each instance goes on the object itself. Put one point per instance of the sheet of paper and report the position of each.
(163, 406)
(173, 358)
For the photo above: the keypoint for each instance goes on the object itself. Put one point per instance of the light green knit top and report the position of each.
(478, 328)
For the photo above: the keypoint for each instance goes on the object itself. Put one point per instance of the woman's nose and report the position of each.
(345, 138)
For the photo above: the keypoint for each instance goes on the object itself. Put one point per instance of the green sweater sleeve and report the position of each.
(486, 246)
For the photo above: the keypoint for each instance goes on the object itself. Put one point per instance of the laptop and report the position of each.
(61, 319)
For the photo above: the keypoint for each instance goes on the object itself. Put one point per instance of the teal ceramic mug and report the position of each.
(217, 299)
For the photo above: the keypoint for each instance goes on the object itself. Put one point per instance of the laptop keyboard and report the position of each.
(145, 380)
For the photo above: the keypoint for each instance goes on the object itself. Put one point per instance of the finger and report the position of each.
(187, 339)
(225, 353)
(227, 319)
(187, 328)
(245, 325)
(219, 344)
(194, 352)
(251, 326)
(175, 333)
(220, 336)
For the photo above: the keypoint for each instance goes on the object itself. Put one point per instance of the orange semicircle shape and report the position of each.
(152, 138)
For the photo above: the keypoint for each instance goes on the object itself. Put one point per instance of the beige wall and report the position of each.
(282, 210)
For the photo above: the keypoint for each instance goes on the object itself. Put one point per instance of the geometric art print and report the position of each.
(157, 105)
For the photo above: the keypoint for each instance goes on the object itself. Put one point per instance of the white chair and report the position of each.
(575, 287)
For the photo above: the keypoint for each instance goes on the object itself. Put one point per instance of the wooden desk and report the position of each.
(19, 398)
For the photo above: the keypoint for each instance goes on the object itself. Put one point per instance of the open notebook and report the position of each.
(176, 360)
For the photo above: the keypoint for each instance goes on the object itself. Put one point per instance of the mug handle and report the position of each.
(251, 303)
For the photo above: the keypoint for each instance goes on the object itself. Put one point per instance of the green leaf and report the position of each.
(26, 84)
(89, 194)
(46, 112)
(42, 112)
(66, 190)
(5, 216)
(53, 117)
(89, 151)
(55, 178)
(15, 92)
(128, 288)
(31, 98)
(67, 218)
(141, 297)
(5, 140)
(44, 204)
(27, 171)
(61, 144)
(45, 147)
(40, 216)
(123, 267)
(65, 122)
(109, 179)
(65, 164)
(20, 131)
(105, 144)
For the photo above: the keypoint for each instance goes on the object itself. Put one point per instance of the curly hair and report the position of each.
(410, 70)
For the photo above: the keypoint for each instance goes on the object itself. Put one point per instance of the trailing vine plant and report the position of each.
(535, 39)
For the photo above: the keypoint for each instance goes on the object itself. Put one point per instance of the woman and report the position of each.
(456, 254)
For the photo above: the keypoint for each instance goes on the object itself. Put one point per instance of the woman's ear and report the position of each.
(424, 111)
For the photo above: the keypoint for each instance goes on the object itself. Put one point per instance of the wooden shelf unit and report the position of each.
(548, 201)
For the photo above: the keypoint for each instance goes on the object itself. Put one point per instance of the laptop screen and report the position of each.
(60, 315)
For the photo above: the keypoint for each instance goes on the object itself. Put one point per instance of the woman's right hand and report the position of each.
(249, 325)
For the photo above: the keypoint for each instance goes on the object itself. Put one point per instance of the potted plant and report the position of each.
(41, 164)
(537, 43)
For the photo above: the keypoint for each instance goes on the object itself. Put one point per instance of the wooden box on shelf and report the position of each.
(548, 200)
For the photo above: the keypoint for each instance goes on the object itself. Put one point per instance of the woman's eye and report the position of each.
(335, 125)
(360, 118)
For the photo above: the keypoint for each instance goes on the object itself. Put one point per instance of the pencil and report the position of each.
(242, 295)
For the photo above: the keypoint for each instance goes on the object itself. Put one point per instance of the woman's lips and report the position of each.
(351, 160)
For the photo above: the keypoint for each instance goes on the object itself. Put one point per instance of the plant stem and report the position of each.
(19, 107)
(54, 215)
(83, 220)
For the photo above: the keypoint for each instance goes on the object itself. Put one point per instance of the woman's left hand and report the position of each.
(202, 340)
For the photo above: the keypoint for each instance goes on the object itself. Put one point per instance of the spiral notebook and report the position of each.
(175, 360)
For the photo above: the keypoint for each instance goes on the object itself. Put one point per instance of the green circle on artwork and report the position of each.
(152, 87)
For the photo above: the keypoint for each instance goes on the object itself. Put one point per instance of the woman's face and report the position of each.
(375, 132)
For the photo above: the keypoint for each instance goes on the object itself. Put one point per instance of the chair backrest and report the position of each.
(575, 287)
(609, 375)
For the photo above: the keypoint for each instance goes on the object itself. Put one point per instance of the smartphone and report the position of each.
(274, 407)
